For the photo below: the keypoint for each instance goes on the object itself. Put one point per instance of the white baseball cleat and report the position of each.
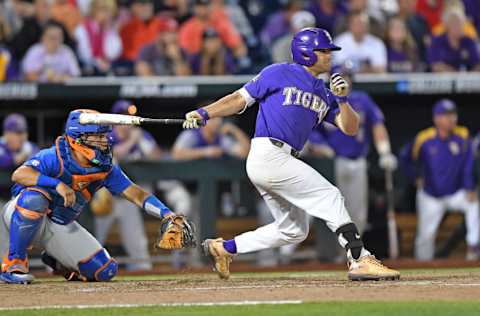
(221, 258)
(369, 268)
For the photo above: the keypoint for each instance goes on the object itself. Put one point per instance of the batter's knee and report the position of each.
(295, 236)
(32, 204)
(99, 267)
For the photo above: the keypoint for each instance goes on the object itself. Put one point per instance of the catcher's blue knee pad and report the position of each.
(33, 201)
(99, 267)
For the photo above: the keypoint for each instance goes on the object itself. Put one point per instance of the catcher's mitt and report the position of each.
(176, 232)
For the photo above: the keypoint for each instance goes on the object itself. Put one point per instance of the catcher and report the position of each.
(51, 190)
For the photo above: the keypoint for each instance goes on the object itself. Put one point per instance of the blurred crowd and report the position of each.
(52, 40)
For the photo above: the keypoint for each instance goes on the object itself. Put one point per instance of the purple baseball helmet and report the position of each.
(306, 41)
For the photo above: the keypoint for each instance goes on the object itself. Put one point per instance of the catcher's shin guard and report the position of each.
(221, 259)
(98, 267)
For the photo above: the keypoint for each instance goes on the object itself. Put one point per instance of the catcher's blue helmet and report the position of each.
(306, 41)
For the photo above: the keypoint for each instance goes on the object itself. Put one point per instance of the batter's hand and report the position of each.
(193, 119)
(339, 86)
(66, 193)
(388, 162)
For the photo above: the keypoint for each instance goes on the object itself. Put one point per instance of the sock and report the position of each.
(230, 246)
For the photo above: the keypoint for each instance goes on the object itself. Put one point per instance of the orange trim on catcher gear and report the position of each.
(28, 213)
(83, 150)
(43, 192)
(7, 265)
(102, 267)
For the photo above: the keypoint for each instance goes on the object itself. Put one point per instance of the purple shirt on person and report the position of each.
(277, 25)
(351, 147)
(7, 156)
(38, 60)
(398, 61)
(292, 103)
(324, 20)
(140, 150)
(466, 57)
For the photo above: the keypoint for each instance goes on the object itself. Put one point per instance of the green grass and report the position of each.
(328, 308)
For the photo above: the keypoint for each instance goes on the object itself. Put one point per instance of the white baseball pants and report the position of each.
(292, 189)
(430, 212)
(352, 180)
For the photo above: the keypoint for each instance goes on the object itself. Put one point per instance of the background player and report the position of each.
(292, 102)
(50, 191)
(440, 161)
(350, 152)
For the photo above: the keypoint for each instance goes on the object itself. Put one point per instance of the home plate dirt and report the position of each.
(206, 288)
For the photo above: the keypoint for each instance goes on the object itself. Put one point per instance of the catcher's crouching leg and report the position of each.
(99, 267)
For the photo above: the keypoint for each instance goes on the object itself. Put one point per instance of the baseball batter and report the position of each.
(440, 160)
(50, 191)
(293, 102)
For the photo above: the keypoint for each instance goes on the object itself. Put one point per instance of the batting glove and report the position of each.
(388, 161)
(195, 119)
(339, 87)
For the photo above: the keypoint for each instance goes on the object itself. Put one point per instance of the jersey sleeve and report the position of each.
(6, 158)
(261, 85)
(117, 181)
(186, 139)
(46, 162)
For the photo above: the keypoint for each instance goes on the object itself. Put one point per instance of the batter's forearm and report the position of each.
(348, 120)
(228, 105)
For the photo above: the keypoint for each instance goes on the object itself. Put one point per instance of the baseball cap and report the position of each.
(444, 106)
(302, 19)
(121, 106)
(15, 123)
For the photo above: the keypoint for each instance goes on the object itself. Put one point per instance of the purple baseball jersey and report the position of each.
(346, 146)
(465, 57)
(398, 61)
(141, 150)
(292, 102)
(446, 165)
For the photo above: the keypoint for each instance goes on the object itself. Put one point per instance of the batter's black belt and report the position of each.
(280, 144)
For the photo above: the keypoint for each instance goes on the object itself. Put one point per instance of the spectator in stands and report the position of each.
(375, 16)
(417, 26)
(278, 24)
(15, 148)
(163, 57)
(192, 34)
(401, 50)
(327, 13)
(231, 10)
(455, 5)
(99, 44)
(431, 10)
(365, 52)
(142, 29)
(214, 58)
(472, 9)
(12, 13)
(33, 28)
(454, 51)
(50, 60)
(280, 50)
(66, 13)
(7, 70)
(440, 161)
(214, 140)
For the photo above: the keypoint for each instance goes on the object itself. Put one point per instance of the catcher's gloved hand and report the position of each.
(176, 232)
(339, 86)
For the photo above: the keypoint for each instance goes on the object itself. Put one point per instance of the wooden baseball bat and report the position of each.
(123, 119)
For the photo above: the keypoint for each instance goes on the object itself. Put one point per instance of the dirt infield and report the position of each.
(445, 285)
